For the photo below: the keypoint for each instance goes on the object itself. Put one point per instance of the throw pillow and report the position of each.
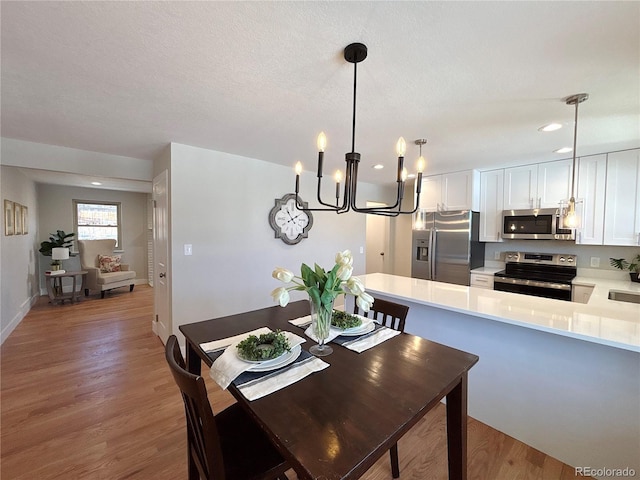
(109, 263)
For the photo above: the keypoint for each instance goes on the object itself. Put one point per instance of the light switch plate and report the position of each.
(188, 249)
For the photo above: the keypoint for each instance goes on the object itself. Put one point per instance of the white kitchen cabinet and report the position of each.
(491, 205)
(542, 185)
(431, 195)
(622, 199)
(451, 191)
(480, 280)
(592, 175)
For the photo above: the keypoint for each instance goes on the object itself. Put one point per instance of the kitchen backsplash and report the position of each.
(586, 253)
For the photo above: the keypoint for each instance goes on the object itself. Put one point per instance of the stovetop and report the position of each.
(544, 267)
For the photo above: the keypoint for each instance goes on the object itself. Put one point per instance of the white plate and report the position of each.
(283, 360)
(361, 330)
(260, 362)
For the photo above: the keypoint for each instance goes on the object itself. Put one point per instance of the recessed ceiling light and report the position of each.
(378, 166)
(550, 127)
(96, 183)
(564, 150)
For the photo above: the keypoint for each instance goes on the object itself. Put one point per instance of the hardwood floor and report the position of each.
(86, 394)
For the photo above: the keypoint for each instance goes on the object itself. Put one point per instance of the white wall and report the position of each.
(220, 204)
(19, 153)
(55, 206)
(18, 279)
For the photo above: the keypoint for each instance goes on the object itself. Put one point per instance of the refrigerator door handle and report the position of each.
(432, 254)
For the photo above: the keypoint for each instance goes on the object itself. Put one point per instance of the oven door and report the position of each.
(559, 291)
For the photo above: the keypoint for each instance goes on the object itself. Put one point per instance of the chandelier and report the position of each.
(570, 217)
(356, 53)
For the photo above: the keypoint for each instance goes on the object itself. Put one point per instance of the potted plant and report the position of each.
(60, 239)
(633, 266)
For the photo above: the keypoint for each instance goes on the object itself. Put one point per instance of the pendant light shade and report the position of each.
(570, 218)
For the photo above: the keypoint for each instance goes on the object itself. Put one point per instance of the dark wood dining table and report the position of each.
(336, 423)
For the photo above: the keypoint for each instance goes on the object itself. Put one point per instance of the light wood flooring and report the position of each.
(86, 394)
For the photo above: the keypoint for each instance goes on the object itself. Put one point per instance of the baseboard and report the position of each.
(15, 321)
(67, 288)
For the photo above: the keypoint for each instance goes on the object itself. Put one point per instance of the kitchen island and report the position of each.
(563, 377)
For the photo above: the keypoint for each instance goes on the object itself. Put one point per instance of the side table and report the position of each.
(54, 286)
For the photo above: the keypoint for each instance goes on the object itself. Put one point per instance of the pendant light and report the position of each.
(570, 217)
(356, 53)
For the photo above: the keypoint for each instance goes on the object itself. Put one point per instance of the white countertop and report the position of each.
(486, 270)
(607, 322)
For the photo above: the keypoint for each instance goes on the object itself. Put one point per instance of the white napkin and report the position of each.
(361, 344)
(301, 322)
(333, 333)
(228, 365)
(266, 385)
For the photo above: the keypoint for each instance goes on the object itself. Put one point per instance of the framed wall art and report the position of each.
(25, 220)
(17, 215)
(8, 218)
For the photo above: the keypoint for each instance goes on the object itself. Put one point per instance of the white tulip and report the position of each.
(344, 272)
(362, 303)
(281, 295)
(355, 286)
(344, 258)
(283, 274)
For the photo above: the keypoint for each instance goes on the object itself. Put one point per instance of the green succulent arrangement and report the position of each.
(264, 347)
(344, 320)
(633, 266)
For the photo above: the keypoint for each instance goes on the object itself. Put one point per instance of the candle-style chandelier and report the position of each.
(356, 53)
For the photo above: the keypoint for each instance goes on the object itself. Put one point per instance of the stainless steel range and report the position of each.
(539, 274)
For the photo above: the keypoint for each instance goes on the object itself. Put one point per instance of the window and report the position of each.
(97, 220)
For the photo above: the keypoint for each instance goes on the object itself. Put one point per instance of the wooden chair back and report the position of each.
(203, 441)
(389, 314)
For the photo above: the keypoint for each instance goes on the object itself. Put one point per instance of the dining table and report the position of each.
(337, 422)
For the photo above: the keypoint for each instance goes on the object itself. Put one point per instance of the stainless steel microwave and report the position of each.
(536, 224)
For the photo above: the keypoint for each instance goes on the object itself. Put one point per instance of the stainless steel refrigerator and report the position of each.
(446, 247)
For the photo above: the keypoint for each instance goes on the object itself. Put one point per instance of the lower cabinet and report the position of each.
(480, 280)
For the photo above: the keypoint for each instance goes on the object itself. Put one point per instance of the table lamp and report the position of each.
(57, 255)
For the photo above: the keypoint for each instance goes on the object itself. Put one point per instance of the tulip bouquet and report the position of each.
(323, 288)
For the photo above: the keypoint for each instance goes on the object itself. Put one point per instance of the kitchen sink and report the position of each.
(624, 296)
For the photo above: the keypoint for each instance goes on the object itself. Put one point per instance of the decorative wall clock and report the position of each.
(289, 223)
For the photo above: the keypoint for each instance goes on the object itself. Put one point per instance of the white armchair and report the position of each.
(94, 259)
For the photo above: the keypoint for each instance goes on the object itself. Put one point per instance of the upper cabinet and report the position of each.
(451, 191)
(622, 199)
(491, 201)
(590, 195)
(542, 185)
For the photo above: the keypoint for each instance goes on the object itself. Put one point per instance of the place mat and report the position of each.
(357, 344)
(227, 366)
(254, 385)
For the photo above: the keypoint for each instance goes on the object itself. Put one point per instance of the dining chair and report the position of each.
(392, 315)
(225, 446)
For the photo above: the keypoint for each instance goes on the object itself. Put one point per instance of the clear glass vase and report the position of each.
(321, 323)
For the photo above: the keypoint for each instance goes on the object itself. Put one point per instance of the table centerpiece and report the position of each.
(323, 288)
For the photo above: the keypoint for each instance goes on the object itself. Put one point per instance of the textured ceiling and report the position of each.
(261, 79)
